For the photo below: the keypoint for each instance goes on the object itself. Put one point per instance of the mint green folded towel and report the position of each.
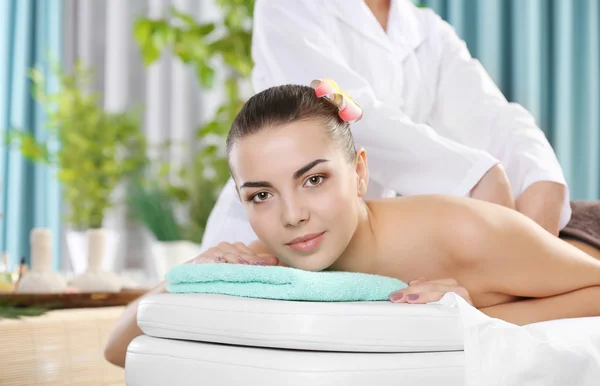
(281, 283)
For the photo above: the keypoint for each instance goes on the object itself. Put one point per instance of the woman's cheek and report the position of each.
(333, 202)
(260, 223)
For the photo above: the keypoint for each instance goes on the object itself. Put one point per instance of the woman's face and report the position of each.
(301, 194)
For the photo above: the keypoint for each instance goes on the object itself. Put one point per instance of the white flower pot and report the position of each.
(168, 254)
(77, 243)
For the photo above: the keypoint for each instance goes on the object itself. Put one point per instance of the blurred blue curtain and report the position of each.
(545, 55)
(30, 34)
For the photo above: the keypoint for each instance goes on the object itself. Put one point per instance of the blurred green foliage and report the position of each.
(203, 46)
(93, 150)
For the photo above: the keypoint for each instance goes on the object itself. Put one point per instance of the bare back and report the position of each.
(405, 239)
(412, 238)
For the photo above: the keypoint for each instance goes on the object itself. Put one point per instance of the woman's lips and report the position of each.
(306, 243)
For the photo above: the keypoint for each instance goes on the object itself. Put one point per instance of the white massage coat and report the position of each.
(434, 121)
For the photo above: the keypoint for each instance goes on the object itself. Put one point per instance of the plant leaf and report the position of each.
(206, 75)
(142, 30)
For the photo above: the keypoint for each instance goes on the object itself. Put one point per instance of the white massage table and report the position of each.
(207, 340)
(198, 339)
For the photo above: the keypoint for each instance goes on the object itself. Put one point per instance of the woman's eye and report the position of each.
(314, 180)
(260, 197)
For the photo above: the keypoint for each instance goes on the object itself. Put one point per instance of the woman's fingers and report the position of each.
(448, 281)
(243, 248)
(264, 259)
(237, 253)
(207, 257)
(255, 259)
(417, 281)
(424, 297)
(222, 253)
(419, 292)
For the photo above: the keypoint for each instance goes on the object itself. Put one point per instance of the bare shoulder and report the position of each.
(412, 216)
(419, 205)
(412, 234)
(429, 212)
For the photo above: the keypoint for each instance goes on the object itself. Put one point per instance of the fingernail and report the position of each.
(413, 297)
(258, 263)
(243, 261)
(220, 259)
(396, 297)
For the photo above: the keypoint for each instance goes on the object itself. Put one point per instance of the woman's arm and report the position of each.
(576, 304)
(495, 250)
(469, 104)
(508, 266)
(126, 330)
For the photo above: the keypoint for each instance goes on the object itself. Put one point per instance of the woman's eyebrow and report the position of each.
(307, 167)
(297, 174)
(256, 184)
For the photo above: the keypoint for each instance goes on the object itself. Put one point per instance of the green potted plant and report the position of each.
(201, 46)
(92, 150)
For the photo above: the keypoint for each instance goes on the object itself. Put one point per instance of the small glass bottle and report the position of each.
(6, 277)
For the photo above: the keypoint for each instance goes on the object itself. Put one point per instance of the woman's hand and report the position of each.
(422, 291)
(237, 253)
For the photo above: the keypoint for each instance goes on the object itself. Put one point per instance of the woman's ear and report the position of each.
(362, 172)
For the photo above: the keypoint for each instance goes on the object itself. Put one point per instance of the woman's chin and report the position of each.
(313, 263)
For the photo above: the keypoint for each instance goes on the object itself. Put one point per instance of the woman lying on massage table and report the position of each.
(301, 181)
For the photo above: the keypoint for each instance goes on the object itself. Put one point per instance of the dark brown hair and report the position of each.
(280, 105)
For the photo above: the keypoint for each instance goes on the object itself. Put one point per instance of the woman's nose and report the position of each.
(294, 213)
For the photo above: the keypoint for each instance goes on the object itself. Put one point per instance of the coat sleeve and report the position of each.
(472, 107)
(290, 46)
(473, 111)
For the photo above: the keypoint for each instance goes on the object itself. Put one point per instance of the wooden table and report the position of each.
(62, 347)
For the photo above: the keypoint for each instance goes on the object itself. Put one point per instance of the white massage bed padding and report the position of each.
(341, 326)
(156, 361)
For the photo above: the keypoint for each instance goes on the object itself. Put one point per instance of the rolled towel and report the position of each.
(585, 223)
(41, 279)
(281, 283)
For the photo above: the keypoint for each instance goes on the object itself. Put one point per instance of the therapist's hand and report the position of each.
(494, 187)
(542, 202)
(237, 253)
(421, 291)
